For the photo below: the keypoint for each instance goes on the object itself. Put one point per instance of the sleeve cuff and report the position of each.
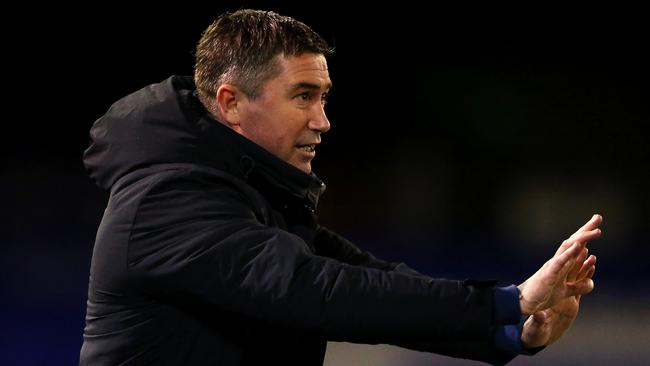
(506, 305)
(507, 338)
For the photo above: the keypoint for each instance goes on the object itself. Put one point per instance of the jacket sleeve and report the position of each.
(199, 242)
(332, 245)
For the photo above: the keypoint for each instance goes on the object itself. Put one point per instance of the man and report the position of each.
(210, 251)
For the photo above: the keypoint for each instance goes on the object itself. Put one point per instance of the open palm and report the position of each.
(545, 326)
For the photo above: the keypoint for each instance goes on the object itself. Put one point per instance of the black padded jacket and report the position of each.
(210, 253)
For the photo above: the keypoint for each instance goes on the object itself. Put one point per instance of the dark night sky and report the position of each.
(458, 137)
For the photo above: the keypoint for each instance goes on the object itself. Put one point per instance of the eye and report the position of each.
(309, 97)
(323, 98)
(304, 97)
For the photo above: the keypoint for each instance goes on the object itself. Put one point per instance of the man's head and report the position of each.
(265, 76)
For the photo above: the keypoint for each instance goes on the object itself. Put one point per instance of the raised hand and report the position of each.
(564, 275)
(546, 326)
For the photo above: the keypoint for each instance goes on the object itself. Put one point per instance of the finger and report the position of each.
(585, 236)
(593, 223)
(559, 265)
(574, 273)
(585, 266)
(590, 226)
(581, 237)
(582, 287)
(590, 272)
(564, 246)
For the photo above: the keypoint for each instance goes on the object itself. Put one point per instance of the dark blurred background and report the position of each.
(465, 142)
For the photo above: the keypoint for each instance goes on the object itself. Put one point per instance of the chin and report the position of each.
(306, 168)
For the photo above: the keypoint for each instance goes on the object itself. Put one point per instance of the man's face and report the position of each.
(288, 117)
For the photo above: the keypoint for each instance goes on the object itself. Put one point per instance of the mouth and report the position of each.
(307, 148)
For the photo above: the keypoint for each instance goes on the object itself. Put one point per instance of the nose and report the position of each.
(318, 121)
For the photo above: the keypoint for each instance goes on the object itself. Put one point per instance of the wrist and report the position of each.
(525, 307)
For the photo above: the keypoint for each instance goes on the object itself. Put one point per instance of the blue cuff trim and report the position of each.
(507, 338)
(506, 305)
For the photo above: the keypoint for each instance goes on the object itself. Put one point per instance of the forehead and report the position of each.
(306, 68)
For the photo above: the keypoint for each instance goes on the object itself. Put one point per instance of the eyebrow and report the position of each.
(307, 85)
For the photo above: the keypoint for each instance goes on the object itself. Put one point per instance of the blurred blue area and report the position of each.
(41, 335)
(461, 153)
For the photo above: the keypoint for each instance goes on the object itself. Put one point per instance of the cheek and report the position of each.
(279, 129)
(278, 140)
(287, 132)
(287, 145)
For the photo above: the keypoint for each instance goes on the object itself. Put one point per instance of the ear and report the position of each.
(229, 98)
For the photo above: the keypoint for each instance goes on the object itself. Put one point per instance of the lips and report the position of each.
(308, 148)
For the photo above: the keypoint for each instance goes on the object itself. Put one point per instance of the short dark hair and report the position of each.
(241, 48)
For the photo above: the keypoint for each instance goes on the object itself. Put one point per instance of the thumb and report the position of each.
(536, 332)
(540, 317)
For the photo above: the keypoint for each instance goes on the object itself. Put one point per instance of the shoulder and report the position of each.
(203, 188)
(174, 190)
